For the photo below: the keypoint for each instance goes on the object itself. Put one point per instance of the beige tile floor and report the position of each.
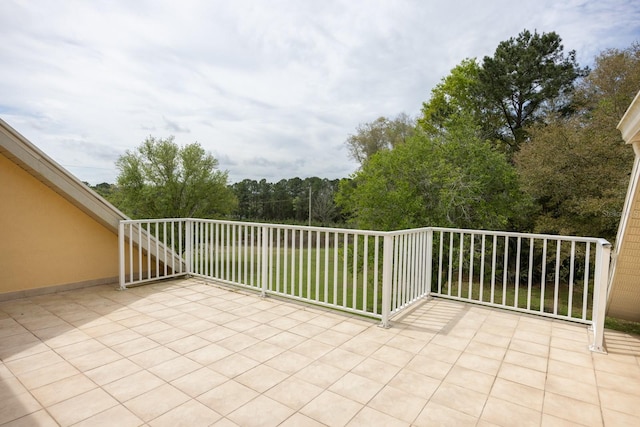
(190, 353)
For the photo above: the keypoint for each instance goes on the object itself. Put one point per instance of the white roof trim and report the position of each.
(25, 154)
(629, 125)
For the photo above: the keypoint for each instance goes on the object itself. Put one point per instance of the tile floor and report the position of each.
(192, 353)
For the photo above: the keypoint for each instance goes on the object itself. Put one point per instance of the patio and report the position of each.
(190, 352)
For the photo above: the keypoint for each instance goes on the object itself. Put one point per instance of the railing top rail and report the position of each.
(596, 240)
(262, 224)
(144, 221)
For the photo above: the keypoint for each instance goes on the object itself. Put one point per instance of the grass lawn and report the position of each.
(622, 325)
(523, 297)
(336, 276)
(321, 275)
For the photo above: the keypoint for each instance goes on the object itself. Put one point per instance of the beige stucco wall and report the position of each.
(46, 240)
(624, 289)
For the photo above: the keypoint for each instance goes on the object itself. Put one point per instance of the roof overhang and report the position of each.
(42, 167)
(629, 125)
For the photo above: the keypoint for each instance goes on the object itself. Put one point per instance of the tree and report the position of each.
(245, 192)
(577, 168)
(528, 75)
(324, 209)
(162, 180)
(381, 134)
(456, 94)
(104, 189)
(454, 182)
(287, 200)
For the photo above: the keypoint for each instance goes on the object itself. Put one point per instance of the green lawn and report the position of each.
(329, 276)
(320, 275)
(523, 297)
(622, 325)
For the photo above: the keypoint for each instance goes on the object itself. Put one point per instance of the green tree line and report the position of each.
(288, 200)
(163, 180)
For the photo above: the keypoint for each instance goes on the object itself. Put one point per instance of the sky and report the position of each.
(271, 89)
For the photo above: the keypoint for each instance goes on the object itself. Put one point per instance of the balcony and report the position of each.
(195, 352)
(378, 274)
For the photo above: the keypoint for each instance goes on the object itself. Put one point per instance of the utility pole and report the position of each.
(309, 205)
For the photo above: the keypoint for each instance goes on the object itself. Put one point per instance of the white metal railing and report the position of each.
(337, 268)
(378, 274)
(554, 276)
(152, 249)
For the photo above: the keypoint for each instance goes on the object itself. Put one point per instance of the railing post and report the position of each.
(429, 260)
(121, 256)
(264, 262)
(601, 277)
(387, 275)
(188, 251)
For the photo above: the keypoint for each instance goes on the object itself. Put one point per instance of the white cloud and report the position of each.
(271, 88)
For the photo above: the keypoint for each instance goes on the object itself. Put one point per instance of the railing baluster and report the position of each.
(131, 275)
(246, 242)
(270, 257)
(182, 257)
(309, 246)
(493, 267)
(505, 268)
(585, 285)
(530, 277)
(344, 270)
(365, 272)
(301, 264)
(517, 279)
(387, 278)
(449, 279)
(157, 238)
(471, 259)
(122, 273)
(216, 250)
(278, 259)
(460, 262)
(293, 262)
(395, 265)
(317, 266)
(571, 269)
(482, 261)
(205, 247)
(213, 252)
(285, 257)
(419, 265)
(429, 263)
(232, 248)
(376, 243)
(252, 261)
(326, 267)
(404, 276)
(148, 250)
(543, 277)
(556, 288)
(354, 285)
(336, 247)
(440, 262)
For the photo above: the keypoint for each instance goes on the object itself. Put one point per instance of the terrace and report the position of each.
(255, 324)
(194, 352)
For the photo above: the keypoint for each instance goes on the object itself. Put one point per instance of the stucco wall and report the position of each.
(624, 301)
(46, 240)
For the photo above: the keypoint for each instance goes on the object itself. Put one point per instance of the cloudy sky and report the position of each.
(271, 89)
